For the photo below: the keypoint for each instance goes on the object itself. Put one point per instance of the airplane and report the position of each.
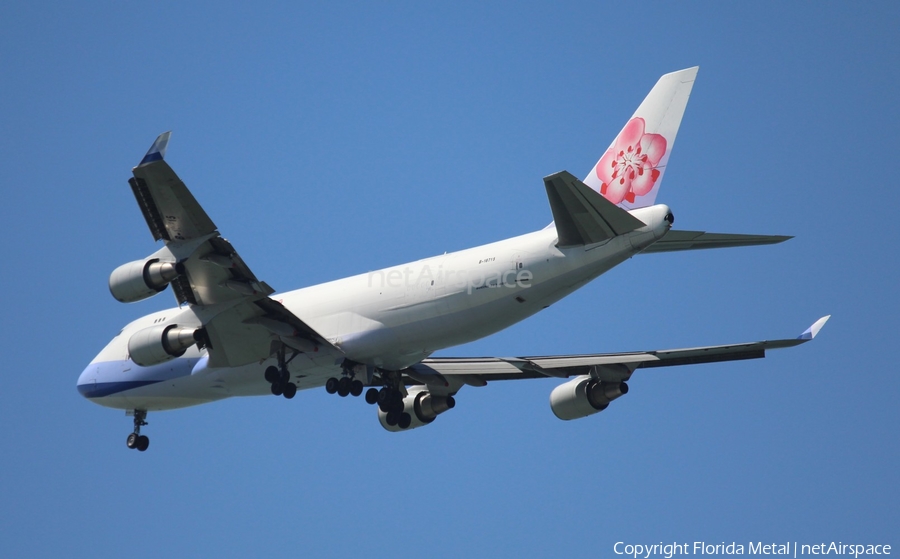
(231, 335)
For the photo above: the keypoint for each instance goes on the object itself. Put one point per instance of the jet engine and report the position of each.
(140, 279)
(421, 406)
(161, 343)
(584, 396)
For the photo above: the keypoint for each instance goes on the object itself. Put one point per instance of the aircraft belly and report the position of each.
(396, 317)
(488, 311)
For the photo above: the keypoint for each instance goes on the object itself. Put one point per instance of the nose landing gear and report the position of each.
(135, 439)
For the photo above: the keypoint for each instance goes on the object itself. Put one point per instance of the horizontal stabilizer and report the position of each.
(695, 240)
(583, 216)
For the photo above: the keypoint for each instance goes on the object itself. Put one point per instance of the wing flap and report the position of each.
(233, 342)
(246, 332)
(175, 213)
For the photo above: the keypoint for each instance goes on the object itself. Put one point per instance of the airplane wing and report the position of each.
(240, 319)
(448, 374)
(692, 240)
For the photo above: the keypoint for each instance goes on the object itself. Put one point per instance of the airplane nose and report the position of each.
(87, 381)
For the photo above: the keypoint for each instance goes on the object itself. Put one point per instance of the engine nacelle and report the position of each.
(584, 396)
(140, 279)
(422, 406)
(161, 343)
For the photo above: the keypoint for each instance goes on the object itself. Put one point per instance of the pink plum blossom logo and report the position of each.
(628, 168)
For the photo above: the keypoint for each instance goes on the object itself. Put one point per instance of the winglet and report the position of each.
(811, 332)
(157, 150)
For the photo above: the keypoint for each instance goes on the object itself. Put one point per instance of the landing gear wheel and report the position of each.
(372, 396)
(404, 421)
(277, 388)
(135, 439)
(392, 418)
(384, 396)
(344, 387)
(290, 390)
(397, 406)
(356, 387)
(331, 385)
(272, 375)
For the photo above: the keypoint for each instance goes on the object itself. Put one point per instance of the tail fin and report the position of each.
(630, 171)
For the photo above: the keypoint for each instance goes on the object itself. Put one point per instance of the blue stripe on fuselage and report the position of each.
(111, 377)
(101, 389)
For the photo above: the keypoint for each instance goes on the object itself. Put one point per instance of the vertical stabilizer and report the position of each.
(631, 170)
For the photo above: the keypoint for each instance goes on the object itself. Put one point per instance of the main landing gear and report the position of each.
(280, 377)
(281, 382)
(389, 398)
(344, 387)
(390, 401)
(136, 440)
(348, 383)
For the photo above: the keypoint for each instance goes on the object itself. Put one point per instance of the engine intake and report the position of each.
(141, 279)
(584, 396)
(158, 344)
(422, 406)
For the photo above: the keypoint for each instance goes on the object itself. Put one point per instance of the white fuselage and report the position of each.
(389, 319)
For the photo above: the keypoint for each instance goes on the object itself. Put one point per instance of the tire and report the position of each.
(344, 387)
(356, 387)
(397, 406)
(331, 385)
(372, 396)
(404, 421)
(131, 441)
(290, 390)
(271, 374)
(143, 443)
(277, 389)
(392, 418)
(384, 396)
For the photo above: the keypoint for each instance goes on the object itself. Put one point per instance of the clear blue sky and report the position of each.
(327, 141)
